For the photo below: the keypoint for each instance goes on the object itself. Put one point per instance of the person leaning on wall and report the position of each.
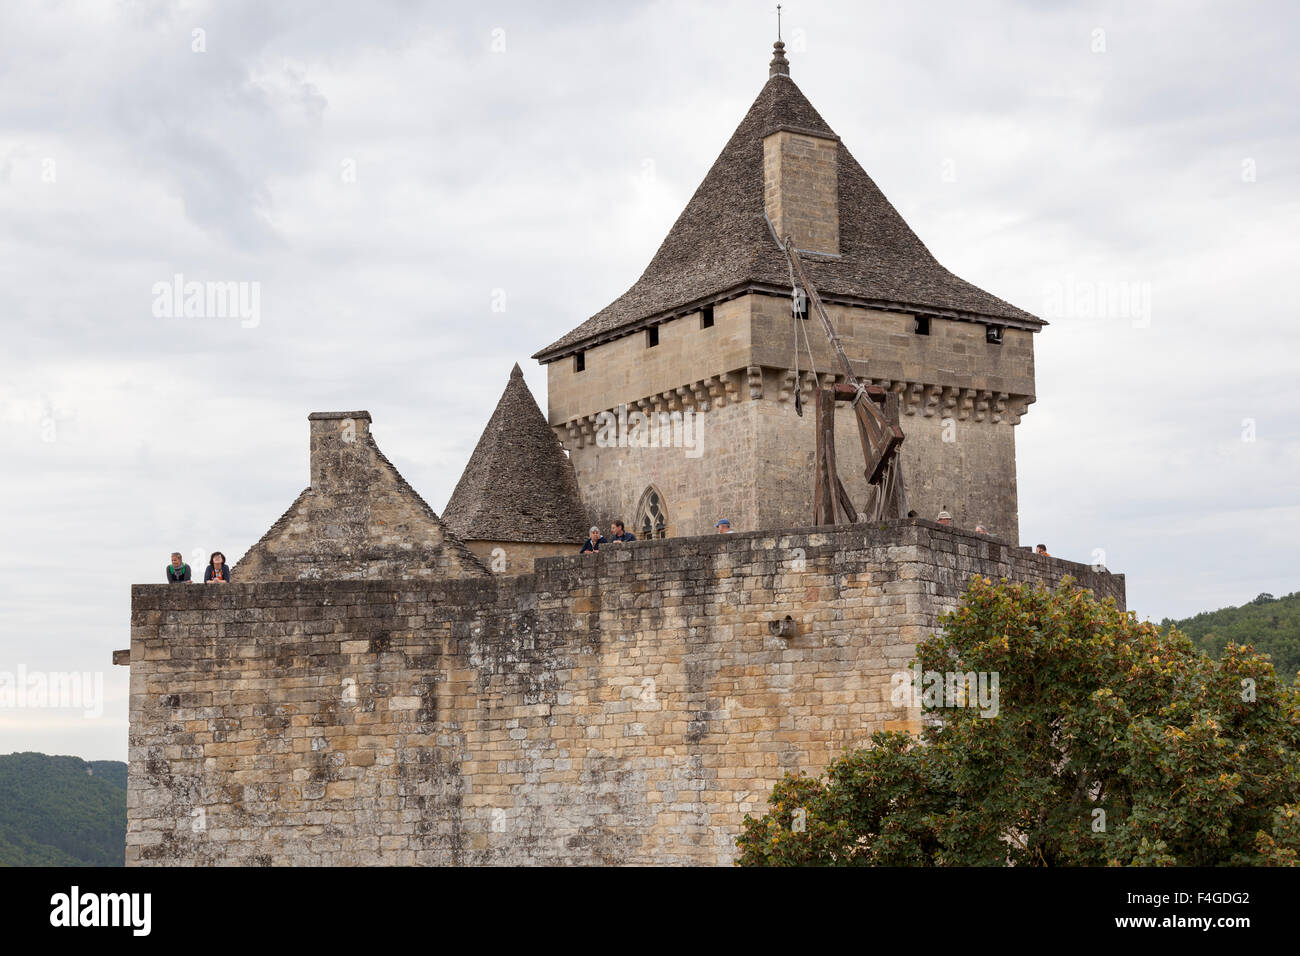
(218, 572)
(594, 540)
(618, 532)
(178, 572)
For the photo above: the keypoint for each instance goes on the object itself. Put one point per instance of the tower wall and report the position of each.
(627, 369)
(718, 477)
(960, 397)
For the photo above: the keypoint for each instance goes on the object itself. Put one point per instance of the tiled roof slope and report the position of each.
(519, 485)
(722, 240)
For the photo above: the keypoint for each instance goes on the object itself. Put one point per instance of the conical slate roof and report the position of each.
(722, 241)
(519, 485)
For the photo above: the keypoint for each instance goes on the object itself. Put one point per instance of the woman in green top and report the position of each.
(178, 572)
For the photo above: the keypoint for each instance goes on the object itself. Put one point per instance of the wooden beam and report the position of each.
(846, 503)
(846, 393)
(825, 478)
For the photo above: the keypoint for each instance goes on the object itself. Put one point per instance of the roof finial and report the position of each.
(779, 65)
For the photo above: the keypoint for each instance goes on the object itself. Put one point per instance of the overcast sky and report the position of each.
(388, 172)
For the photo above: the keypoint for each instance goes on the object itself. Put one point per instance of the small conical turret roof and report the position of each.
(519, 485)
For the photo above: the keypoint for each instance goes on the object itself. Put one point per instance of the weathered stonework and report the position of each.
(625, 707)
(517, 557)
(960, 397)
(801, 189)
(358, 518)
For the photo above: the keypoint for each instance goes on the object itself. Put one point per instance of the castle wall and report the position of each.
(965, 467)
(628, 707)
(517, 557)
(959, 448)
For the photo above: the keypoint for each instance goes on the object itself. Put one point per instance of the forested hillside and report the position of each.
(61, 811)
(1271, 624)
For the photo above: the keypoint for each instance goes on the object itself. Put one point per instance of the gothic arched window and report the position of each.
(651, 515)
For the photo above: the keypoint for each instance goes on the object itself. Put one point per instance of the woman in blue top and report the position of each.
(217, 572)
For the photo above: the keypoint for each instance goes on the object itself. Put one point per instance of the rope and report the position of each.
(861, 395)
(798, 400)
(808, 345)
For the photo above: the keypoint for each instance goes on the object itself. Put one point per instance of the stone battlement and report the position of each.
(626, 707)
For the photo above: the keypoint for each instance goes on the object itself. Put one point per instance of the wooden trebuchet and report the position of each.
(876, 412)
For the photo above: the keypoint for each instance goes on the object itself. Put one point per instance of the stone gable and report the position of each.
(358, 519)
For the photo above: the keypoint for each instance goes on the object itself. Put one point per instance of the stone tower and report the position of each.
(707, 336)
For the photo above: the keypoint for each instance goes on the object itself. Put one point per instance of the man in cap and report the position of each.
(723, 526)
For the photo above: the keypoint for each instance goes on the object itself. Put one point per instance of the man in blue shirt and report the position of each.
(618, 533)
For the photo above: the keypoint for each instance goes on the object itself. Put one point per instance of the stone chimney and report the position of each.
(339, 451)
(801, 189)
(801, 193)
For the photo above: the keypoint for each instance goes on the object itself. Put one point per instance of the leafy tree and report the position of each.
(1112, 743)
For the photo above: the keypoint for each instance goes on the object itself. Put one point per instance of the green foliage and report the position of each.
(1097, 711)
(1271, 624)
(55, 813)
